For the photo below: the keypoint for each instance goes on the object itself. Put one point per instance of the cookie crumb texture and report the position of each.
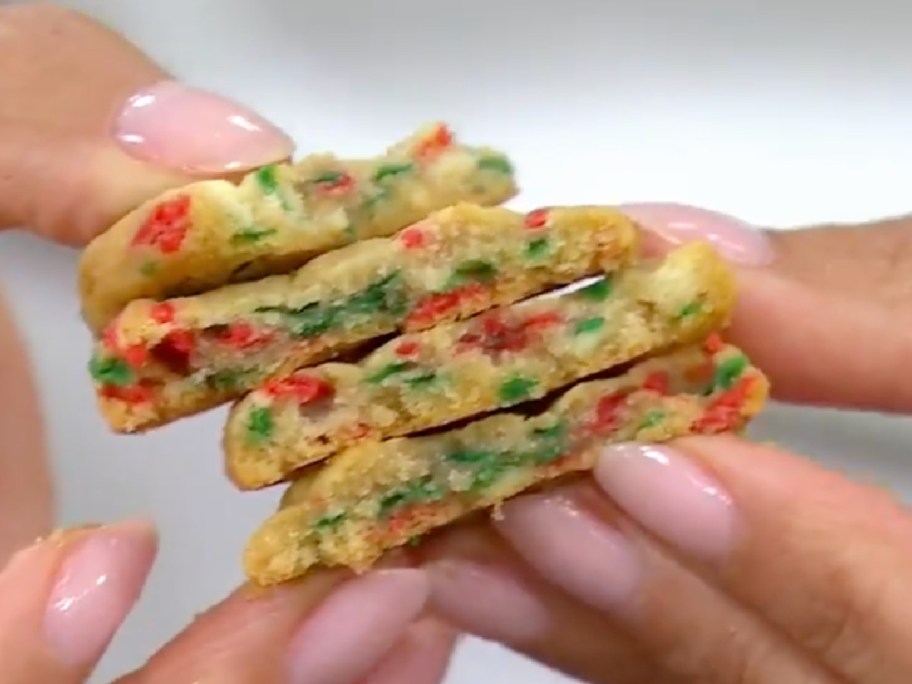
(496, 360)
(160, 360)
(214, 232)
(378, 496)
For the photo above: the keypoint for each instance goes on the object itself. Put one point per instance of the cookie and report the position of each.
(206, 234)
(160, 360)
(498, 359)
(378, 496)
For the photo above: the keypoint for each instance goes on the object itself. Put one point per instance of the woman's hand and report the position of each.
(714, 560)
(63, 598)
(90, 127)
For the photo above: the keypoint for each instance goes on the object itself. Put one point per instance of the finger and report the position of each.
(92, 127)
(324, 629)
(484, 588)
(26, 498)
(64, 598)
(825, 560)
(422, 656)
(824, 312)
(576, 540)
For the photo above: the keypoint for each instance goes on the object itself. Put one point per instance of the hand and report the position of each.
(63, 598)
(714, 560)
(76, 152)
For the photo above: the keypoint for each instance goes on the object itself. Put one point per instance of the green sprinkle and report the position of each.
(487, 474)
(495, 163)
(389, 370)
(470, 456)
(390, 170)
(729, 371)
(111, 371)
(422, 380)
(475, 269)
(652, 419)
(588, 325)
(260, 425)
(251, 235)
(422, 490)
(414, 540)
(267, 179)
(690, 309)
(598, 291)
(552, 443)
(516, 389)
(386, 295)
(328, 522)
(149, 268)
(537, 248)
(327, 177)
(309, 320)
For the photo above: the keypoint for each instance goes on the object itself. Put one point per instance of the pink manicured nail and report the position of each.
(96, 586)
(194, 131)
(487, 602)
(352, 630)
(734, 239)
(669, 495)
(573, 549)
(421, 657)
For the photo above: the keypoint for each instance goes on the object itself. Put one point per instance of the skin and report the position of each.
(810, 587)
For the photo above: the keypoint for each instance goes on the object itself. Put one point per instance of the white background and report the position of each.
(781, 111)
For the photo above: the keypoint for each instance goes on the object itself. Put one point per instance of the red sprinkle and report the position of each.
(713, 344)
(360, 430)
(608, 412)
(135, 394)
(407, 349)
(136, 355)
(166, 227)
(109, 338)
(242, 336)
(163, 313)
(537, 218)
(429, 309)
(338, 186)
(439, 140)
(301, 387)
(546, 319)
(175, 349)
(724, 412)
(657, 381)
(413, 238)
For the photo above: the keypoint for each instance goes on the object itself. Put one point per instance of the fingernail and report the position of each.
(573, 549)
(97, 584)
(669, 495)
(423, 655)
(487, 602)
(677, 224)
(354, 628)
(194, 131)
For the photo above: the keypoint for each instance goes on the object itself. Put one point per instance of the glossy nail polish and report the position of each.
(677, 224)
(669, 495)
(574, 549)
(351, 631)
(96, 585)
(196, 132)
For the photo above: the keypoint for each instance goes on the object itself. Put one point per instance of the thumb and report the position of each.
(823, 311)
(91, 127)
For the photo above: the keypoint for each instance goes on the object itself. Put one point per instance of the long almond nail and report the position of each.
(487, 602)
(677, 224)
(96, 586)
(197, 132)
(352, 630)
(668, 494)
(573, 549)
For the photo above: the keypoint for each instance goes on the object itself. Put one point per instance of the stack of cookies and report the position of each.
(400, 348)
